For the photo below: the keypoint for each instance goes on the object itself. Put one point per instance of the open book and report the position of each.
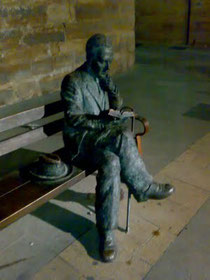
(119, 115)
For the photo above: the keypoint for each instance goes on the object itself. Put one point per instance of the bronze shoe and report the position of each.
(107, 247)
(155, 191)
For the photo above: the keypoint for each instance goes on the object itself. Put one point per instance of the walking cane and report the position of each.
(129, 192)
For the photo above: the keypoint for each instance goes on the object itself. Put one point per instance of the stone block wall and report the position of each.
(165, 22)
(200, 23)
(161, 22)
(42, 40)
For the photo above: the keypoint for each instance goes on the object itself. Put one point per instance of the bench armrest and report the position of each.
(142, 120)
(145, 124)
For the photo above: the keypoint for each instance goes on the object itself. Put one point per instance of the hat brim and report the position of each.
(41, 181)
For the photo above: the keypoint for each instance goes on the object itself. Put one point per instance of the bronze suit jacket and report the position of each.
(83, 100)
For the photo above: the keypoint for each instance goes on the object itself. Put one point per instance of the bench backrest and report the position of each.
(32, 123)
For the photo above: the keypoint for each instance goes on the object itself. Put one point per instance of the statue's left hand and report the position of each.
(117, 125)
(107, 84)
(104, 115)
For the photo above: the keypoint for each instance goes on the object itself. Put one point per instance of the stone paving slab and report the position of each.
(58, 269)
(90, 267)
(188, 258)
(22, 258)
(193, 166)
(154, 224)
(34, 240)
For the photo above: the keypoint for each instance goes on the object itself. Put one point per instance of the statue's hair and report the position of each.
(97, 41)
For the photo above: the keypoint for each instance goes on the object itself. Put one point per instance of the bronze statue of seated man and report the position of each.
(95, 139)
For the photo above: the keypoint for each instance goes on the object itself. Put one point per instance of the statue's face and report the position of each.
(102, 60)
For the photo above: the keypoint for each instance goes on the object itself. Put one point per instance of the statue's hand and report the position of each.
(111, 122)
(104, 115)
(117, 125)
(107, 84)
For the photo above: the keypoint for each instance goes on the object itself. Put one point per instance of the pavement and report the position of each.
(154, 226)
(168, 239)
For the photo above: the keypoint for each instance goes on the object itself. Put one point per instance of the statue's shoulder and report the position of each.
(76, 77)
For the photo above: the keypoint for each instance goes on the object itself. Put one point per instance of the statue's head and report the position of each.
(99, 54)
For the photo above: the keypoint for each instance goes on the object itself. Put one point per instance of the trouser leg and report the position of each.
(116, 156)
(133, 170)
(107, 191)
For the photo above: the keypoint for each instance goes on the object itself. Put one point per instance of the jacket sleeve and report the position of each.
(115, 101)
(72, 98)
(107, 84)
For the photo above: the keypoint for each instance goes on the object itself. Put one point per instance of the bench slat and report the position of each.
(30, 196)
(15, 160)
(25, 136)
(21, 118)
(21, 140)
(6, 135)
(10, 183)
(31, 115)
(29, 110)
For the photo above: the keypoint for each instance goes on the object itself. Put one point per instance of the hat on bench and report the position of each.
(49, 169)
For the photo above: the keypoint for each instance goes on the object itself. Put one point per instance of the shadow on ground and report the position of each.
(85, 199)
(72, 223)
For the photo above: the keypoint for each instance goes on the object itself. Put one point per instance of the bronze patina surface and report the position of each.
(93, 138)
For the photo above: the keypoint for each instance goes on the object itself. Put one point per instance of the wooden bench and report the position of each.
(43, 119)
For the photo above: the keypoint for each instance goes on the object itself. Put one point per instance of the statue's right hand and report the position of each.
(116, 123)
(116, 126)
(104, 115)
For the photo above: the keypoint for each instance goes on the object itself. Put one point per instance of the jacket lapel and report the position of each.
(95, 94)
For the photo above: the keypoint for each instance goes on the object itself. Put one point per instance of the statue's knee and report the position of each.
(108, 178)
(127, 137)
(112, 165)
(127, 134)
